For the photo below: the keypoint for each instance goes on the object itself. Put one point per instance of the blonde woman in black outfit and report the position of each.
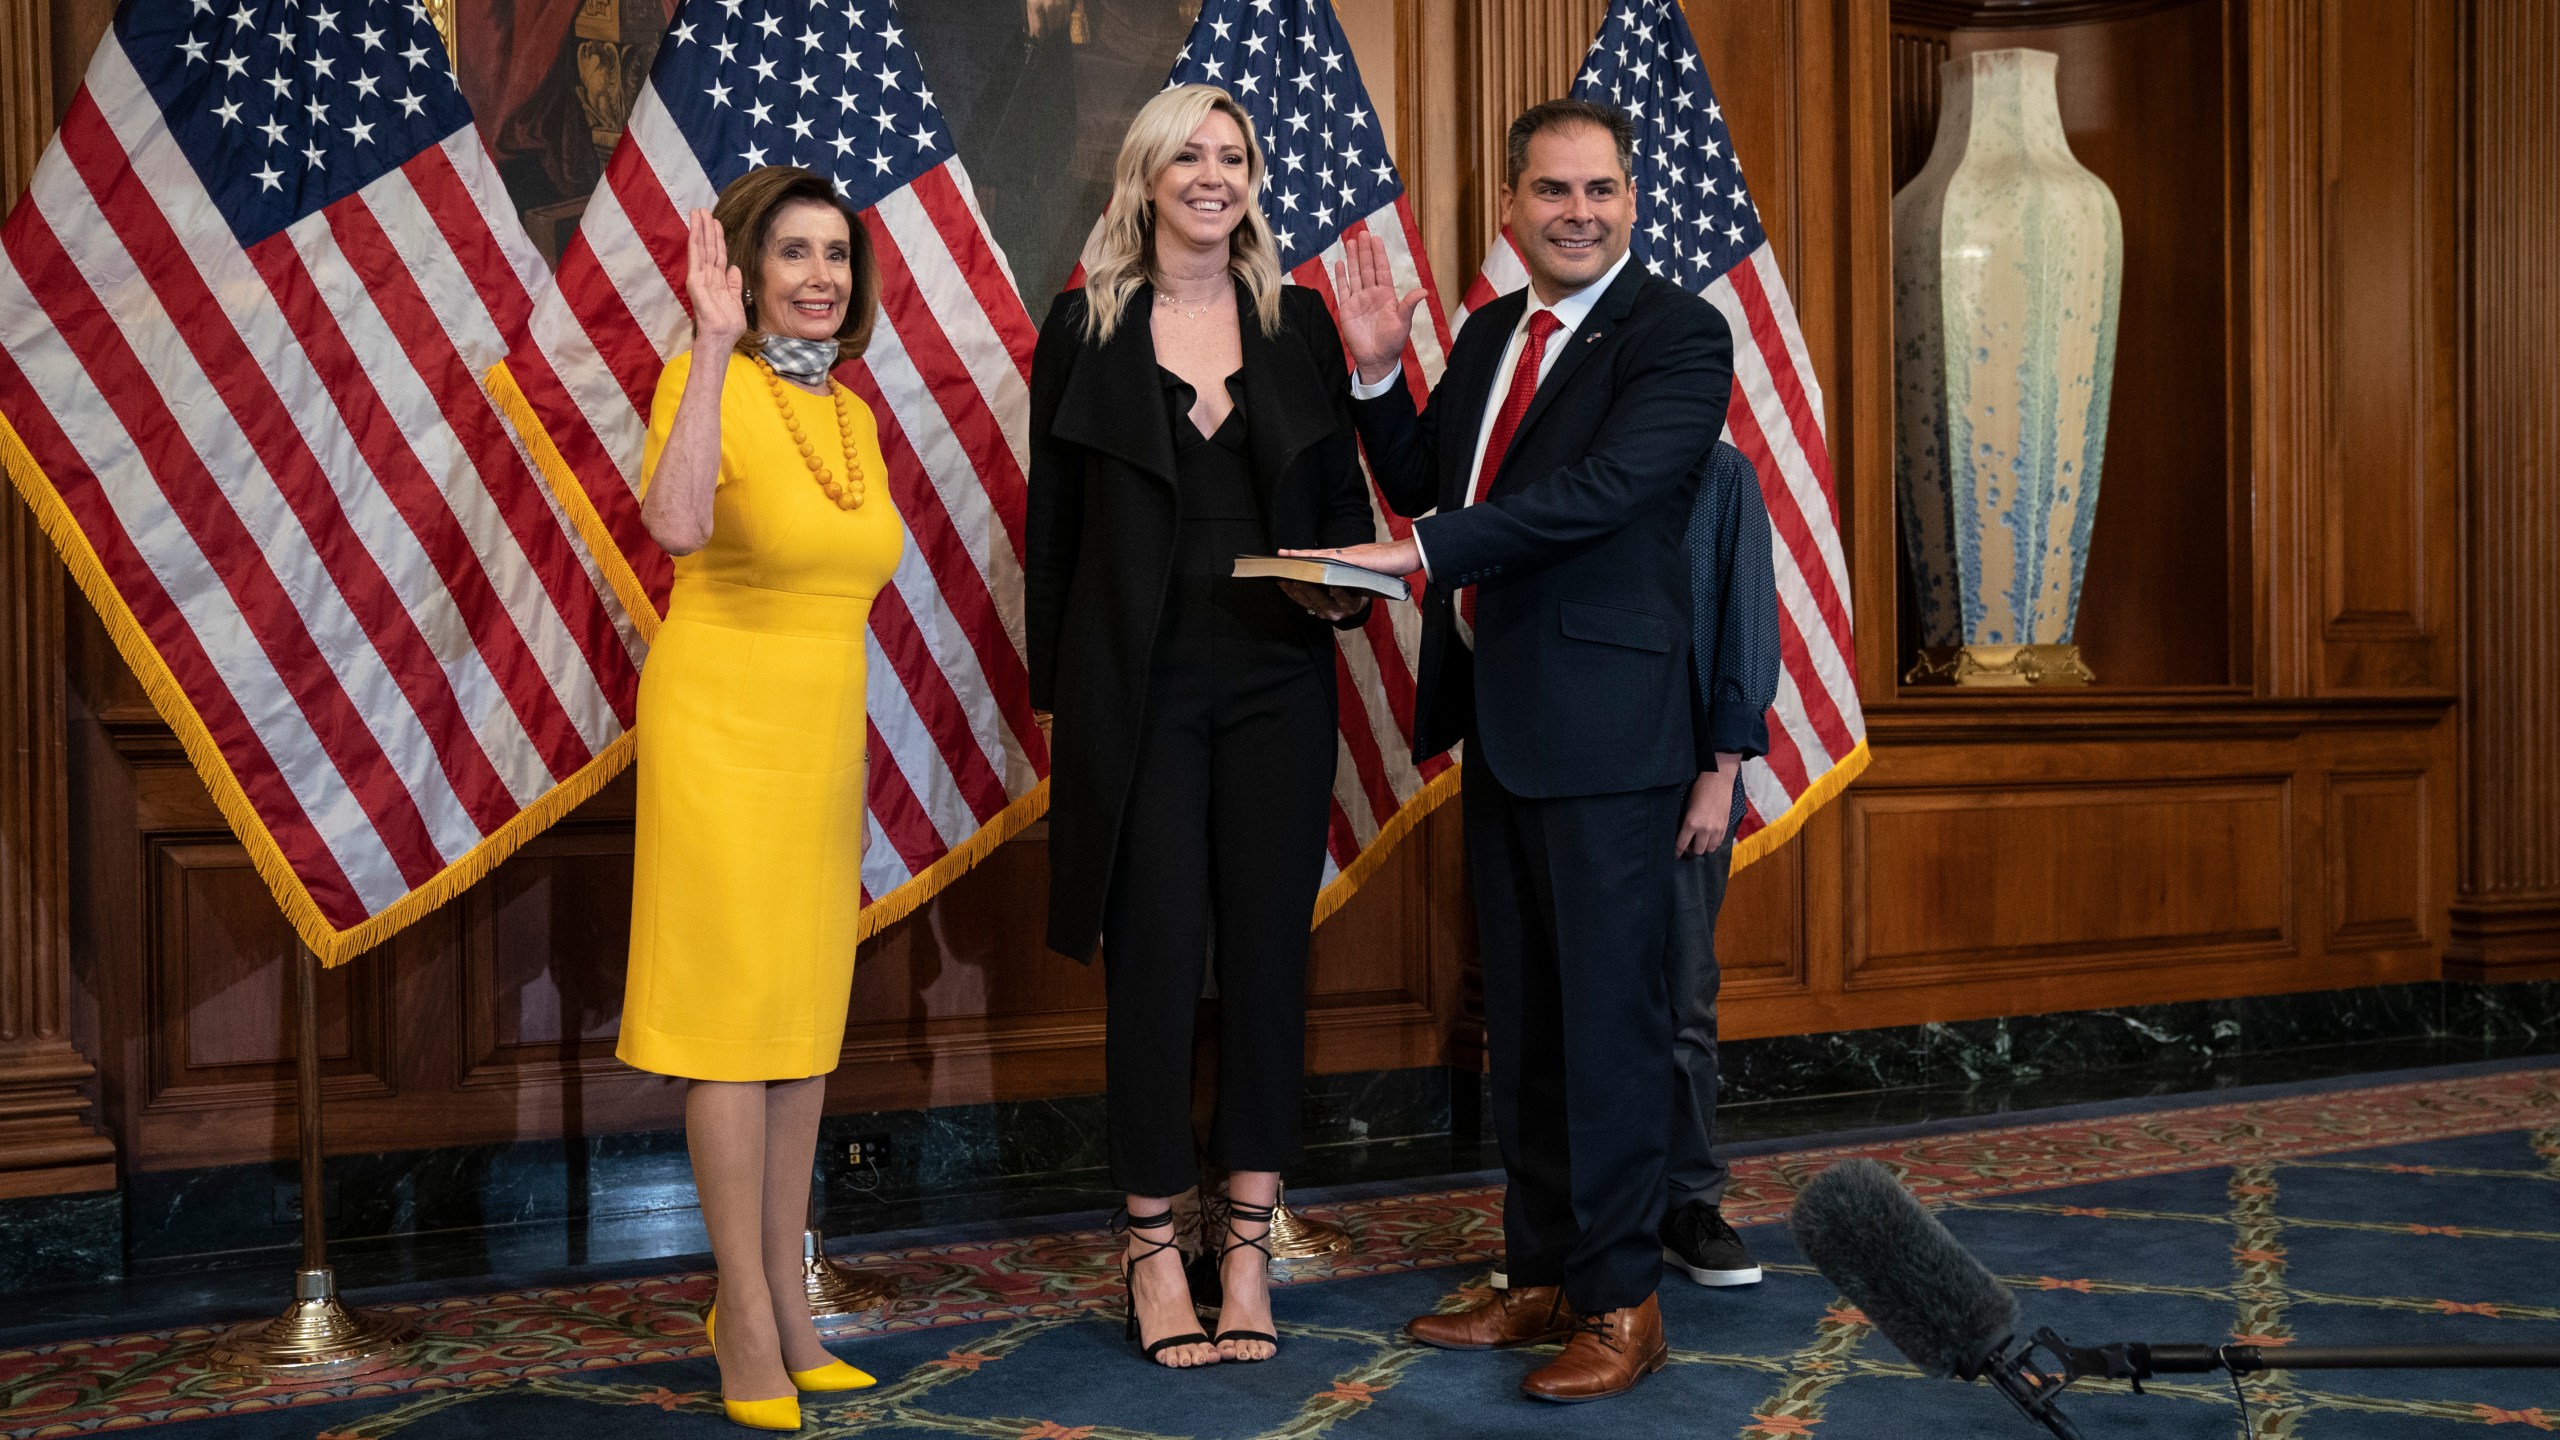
(1186, 407)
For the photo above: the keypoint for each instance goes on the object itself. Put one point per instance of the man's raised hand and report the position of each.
(1376, 322)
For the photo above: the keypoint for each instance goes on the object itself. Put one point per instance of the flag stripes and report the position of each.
(249, 422)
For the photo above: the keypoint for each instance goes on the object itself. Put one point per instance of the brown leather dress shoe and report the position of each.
(1608, 1354)
(1522, 1315)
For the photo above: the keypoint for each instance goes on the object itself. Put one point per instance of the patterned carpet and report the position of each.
(2423, 1212)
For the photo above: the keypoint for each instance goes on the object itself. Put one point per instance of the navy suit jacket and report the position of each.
(1581, 681)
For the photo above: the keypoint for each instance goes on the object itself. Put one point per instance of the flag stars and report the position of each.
(365, 85)
(764, 68)
(806, 84)
(719, 94)
(888, 78)
(280, 85)
(413, 105)
(888, 121)
(325, 21)
(1332, 61)
(800, 128)
(274, 131)
(416, 55)
(243, 18)
(757, 114)
(771, 25)
(229, 114)
(194, 50)
(360, 133)
(683, 33)
(754, 156)
(269, 179)
(236, 64)
(312, 156)
(810, 39)
(284, 40)
(319, 112)
(889, 36)
(727, 50)
(923, 138)
(879, 163)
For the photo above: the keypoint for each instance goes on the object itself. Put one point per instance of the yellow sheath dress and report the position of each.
(747, 881)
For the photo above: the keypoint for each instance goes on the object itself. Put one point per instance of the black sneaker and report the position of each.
(1698, 1244)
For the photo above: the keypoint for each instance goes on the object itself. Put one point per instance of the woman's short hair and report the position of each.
(745, 211)
(1126, 247)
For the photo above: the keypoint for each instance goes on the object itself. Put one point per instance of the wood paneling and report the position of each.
(2355, 129)
(1976, 877)
(2506, 922)
(47, 1145)
(2378, 860)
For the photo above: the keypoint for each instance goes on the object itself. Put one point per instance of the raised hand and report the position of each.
(1375, 321)
(714, 286)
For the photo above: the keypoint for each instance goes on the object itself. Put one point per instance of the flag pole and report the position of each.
(317, 1335)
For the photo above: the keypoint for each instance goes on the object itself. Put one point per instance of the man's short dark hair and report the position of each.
(1556, 115)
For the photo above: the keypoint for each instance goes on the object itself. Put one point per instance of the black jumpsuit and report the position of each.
(1222, 844)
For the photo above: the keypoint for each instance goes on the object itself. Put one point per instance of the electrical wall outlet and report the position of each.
(865, 1154)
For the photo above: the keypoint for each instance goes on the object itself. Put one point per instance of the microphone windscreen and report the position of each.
(1893, 1260)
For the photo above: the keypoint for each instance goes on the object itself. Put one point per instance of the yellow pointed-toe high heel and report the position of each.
(834, 1375)
(779, 1413)
(782, 1412)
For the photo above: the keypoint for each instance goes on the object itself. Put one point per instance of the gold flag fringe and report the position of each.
(904, 901)
(500, 383)
(1779, 831)
(334, 946)
(1374, 854)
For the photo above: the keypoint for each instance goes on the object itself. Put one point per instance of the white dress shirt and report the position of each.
(1570, 311)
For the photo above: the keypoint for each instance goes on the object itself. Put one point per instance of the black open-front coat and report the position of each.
(1100, 545)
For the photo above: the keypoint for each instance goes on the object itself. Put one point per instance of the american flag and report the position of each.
(1695, 224)
(956, 761)
(243, 311)
(1330, 178)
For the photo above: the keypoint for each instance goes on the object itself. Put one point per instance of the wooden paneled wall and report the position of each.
(2506, 923)
(2271, 791)
(47, 1145)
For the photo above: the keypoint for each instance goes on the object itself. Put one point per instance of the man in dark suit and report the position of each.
(1561, 452)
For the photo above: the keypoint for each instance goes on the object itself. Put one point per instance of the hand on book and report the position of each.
(1387, 557)
(1325, 602)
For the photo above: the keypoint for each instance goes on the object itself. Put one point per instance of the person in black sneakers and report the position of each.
(1734, 644)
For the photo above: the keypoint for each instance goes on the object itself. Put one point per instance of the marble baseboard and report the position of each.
(2029, 1047)
(983, 1161)
(59, 1239)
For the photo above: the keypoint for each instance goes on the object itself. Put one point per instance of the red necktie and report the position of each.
(1515, 403)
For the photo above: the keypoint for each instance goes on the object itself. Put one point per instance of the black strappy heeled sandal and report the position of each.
(1136, 1224)
(1250, 1214)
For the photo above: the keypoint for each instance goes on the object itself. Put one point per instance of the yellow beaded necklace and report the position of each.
(848, 493)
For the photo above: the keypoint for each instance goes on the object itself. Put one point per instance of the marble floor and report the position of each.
(249, 1284)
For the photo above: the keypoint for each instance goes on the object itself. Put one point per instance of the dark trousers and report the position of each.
(1697, 893)
(1221, 850)
(1573, 901)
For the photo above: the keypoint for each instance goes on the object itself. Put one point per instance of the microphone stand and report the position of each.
(2034, 1391)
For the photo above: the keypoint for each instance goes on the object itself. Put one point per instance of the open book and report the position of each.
(1321, 572)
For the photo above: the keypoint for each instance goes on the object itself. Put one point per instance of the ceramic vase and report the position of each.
(2008, 266)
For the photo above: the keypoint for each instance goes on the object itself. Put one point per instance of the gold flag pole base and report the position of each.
(838, 1292)
(1295, 1237)
(317, 1336)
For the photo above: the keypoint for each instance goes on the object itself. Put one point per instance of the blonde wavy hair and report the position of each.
(1127, 243)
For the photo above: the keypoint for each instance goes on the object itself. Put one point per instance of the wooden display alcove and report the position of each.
(2151, 103)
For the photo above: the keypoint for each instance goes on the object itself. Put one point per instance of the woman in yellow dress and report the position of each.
(763, 477)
